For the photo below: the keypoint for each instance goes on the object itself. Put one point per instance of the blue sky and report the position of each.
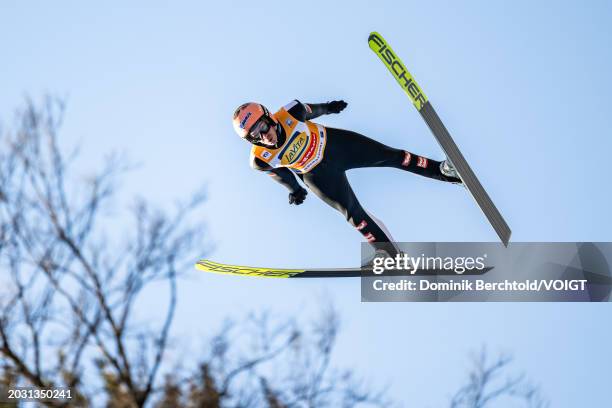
(523, 87)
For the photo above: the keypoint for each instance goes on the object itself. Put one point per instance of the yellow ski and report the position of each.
(210, 266)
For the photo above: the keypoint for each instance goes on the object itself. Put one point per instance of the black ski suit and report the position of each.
(347, 150)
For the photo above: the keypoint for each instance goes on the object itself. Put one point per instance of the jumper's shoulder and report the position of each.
(292, 105)
(297, 109)
(256, 163)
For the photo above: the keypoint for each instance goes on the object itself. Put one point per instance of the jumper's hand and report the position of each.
(298, 196)
(336, 106)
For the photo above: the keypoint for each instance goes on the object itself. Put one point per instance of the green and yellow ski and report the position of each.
(240, 270)
(210, 266)
(393, 63)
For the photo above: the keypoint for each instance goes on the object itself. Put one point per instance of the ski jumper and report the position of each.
(322, 165)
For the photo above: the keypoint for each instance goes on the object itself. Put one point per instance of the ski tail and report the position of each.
(467, 175)
(407, 82)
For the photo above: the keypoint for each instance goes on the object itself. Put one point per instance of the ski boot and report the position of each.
(448, 170)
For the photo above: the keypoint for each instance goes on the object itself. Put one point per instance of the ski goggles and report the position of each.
(262, 126)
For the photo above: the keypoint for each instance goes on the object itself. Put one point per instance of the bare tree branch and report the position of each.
(282, 366)
(53, 245)
(485, 388)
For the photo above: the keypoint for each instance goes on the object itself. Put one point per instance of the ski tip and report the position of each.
(375, 36)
